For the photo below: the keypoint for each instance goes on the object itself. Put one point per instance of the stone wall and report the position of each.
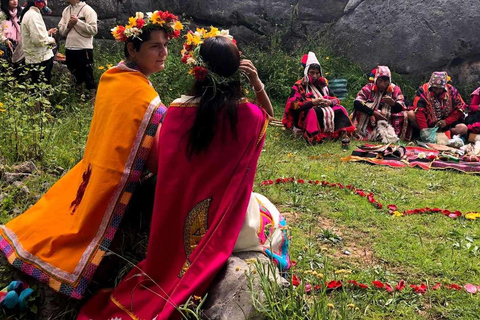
(411, 36)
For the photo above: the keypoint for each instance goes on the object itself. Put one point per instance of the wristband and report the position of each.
(261, 89)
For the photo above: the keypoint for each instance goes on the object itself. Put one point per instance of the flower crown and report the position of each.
(136, 25)
(191, 52)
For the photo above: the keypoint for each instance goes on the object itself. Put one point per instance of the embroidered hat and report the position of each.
(438, 80)
(311, 58)
(383, 71)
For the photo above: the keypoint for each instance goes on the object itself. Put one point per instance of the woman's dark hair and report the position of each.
(218, 101)
(141, 39)
(5, 6)
(30, 4)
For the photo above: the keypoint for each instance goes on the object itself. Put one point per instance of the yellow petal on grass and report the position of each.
(101, 68)
(397, 214)
(343, 271)
(472, 215)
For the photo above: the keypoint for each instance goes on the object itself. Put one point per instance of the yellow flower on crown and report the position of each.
(213, 33)
(132, 22)
(157, 18)
(193, 39)
(200, 32)
(190, 50)
(178, 26)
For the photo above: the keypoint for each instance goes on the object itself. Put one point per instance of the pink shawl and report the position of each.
(199, 209)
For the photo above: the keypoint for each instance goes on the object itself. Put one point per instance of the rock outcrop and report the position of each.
(412, 37)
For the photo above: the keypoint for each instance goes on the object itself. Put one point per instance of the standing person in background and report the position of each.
(37, 41)
(79, 25)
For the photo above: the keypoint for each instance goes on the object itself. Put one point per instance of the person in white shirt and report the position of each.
(79, 25)
(37, 41)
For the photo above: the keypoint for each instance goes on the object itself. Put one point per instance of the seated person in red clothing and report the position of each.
(379, 100)
(473, 118)
(439, 104)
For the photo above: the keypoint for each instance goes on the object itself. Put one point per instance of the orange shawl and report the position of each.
(62, 238)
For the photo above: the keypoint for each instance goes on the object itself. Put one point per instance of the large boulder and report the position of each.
(230, 296)
(410, 36)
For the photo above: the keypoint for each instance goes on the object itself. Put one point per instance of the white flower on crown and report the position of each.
(191, 61)
(136, 32)
(139, 15)
(128, 32)
(225, 33)
(149, 14)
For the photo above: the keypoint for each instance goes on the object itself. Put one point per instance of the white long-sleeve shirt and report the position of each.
(36, 42)
(81, 35)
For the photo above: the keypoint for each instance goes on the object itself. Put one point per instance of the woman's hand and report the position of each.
(322, 102)
(326, 103)
(10, 45)
(246, 67)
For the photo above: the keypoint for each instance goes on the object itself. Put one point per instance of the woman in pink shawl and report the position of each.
(9, 27)
(312, 110)
(208, 149)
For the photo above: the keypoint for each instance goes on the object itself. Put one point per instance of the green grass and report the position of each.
(418, 249)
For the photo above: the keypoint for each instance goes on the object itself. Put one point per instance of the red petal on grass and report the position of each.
(295, 281)
(419, 289)
(453, 286)
(400, 285)
(388, 287)
(334, 284)
(392, 207)
(378, 284)
(437, 286)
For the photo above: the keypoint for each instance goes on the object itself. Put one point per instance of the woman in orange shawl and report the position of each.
(208, 150)
(62, 239)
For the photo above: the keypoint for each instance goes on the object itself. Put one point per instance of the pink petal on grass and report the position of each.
(470, 288)
(452, 215)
